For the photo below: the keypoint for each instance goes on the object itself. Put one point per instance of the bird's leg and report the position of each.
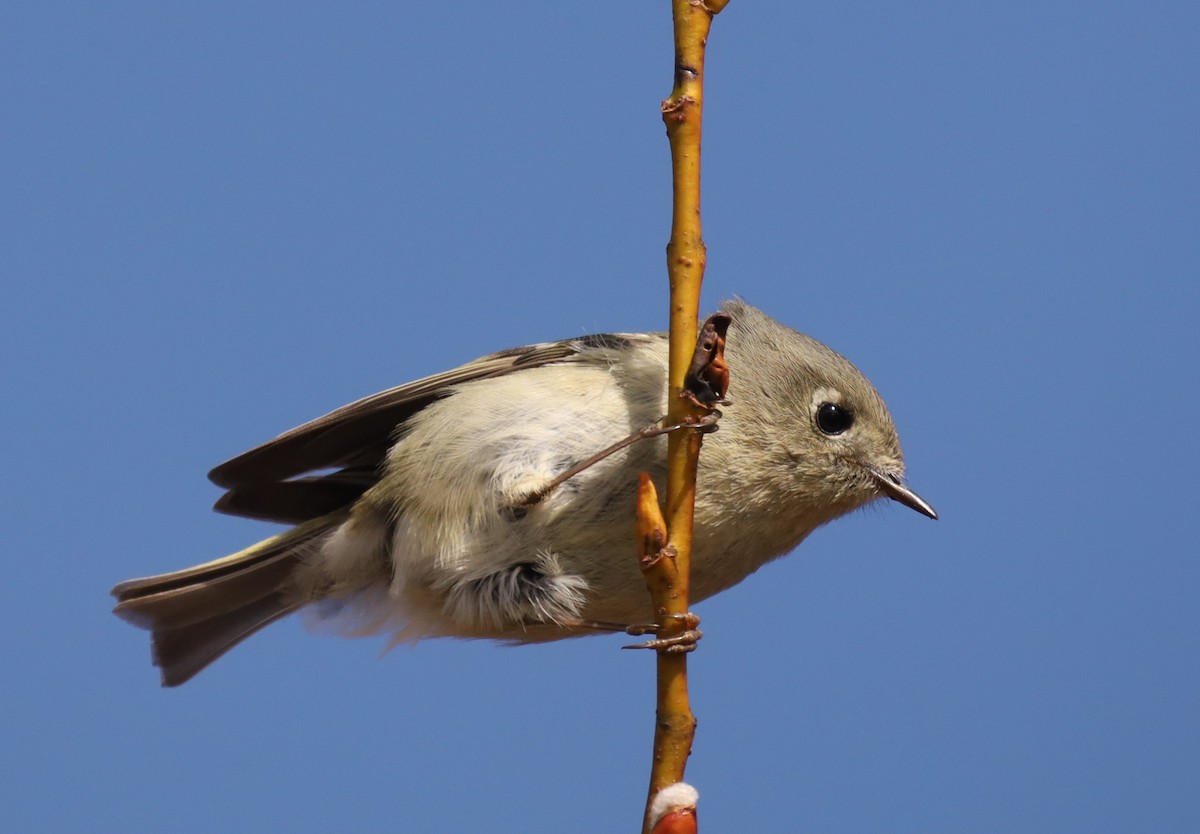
(683, 642)
(706, 423)
(599, 625)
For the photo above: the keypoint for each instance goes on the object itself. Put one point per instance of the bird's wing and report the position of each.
(288, 479)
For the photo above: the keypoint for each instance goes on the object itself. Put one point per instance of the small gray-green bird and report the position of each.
(412, 507)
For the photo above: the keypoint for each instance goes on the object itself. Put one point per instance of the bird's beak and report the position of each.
(892, 487)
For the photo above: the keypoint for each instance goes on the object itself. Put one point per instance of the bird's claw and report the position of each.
(680, 643)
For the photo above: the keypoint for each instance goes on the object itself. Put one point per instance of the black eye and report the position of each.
(833, 418)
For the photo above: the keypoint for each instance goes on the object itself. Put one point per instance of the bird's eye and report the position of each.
(833, 418)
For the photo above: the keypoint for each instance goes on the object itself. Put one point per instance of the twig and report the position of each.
(675, 726)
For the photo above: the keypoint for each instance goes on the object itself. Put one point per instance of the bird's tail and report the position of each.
(197, 614)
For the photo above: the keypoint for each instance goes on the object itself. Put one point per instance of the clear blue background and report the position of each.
(222, 219)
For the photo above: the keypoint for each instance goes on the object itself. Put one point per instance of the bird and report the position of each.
(437, 508)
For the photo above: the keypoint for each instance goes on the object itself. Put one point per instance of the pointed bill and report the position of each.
(893, 488)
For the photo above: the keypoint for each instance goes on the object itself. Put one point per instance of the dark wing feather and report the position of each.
(268, 481)
(299, 499)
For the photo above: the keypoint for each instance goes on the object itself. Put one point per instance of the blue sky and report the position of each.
(220, 221)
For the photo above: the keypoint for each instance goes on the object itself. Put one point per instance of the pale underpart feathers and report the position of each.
(442, 546)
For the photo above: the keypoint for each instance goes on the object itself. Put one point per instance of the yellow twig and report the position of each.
(675, 726)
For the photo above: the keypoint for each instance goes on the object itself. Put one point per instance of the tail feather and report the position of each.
(197, 614)
(181, 653)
